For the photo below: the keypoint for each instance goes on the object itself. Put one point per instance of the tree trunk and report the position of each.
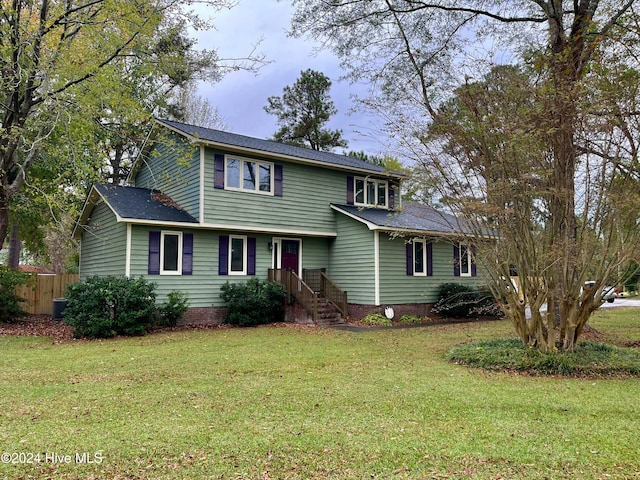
(4, 215)
(15, 247)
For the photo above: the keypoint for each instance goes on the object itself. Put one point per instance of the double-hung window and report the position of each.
(170, 253)
(371, 193)
(464, 263)
(248, 175)
(420, 258)
(465, 260)
(237, 255)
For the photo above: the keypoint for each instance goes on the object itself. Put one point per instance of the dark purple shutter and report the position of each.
(218, 170)
(223, 255)
(392, 198)
(154, 253)
(409, 247)
(187, 253)
(277, 181)
(456, 260)
(474, 269)
(251, 256)
(350, 198)
(430, 259)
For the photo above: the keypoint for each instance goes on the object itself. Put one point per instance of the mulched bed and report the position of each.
(38, 326)
(45, 326)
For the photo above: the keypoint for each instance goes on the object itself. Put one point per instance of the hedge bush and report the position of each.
(10, 303)
(171, 311)
(377, 319)
(104, 307)
(254, 302)
(462, 301)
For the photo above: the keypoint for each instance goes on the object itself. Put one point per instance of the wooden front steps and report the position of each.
(328, 313)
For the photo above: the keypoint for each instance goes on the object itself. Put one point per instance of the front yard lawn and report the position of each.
(304, 403)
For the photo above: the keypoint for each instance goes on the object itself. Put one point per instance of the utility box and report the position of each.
(59, 304)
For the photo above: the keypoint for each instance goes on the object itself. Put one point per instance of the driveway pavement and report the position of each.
(619, 302)
(623, 302)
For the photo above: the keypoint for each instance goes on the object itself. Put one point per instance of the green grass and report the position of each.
(306, 403)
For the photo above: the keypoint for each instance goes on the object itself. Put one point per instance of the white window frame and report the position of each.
(258, 164)
(163, 234)
(245, 254)
(367, 201)
(465, 249)
(423, 242)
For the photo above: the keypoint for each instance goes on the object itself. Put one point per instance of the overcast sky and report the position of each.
(241, 96)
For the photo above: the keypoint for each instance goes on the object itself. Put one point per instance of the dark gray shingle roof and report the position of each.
(269, 146)
(142, 204)
(413, 217)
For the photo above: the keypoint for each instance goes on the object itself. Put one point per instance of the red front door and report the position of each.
(290, 255)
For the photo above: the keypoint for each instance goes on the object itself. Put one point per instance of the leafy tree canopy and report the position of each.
(541, 153)
(303, 110)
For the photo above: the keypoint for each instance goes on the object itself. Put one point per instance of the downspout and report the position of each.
(376, 266)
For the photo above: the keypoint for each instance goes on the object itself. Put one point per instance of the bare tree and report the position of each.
(551, 163)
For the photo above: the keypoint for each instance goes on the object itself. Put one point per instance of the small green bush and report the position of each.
(376, 319)
(254, 302)
(410, 319)
(103, 307)
(173, 309)
(462, 301)
(10, 303)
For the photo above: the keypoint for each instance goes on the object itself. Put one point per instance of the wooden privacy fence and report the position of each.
(39, 294)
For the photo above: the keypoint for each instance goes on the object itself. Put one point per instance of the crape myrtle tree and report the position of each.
(539, 161)
(67, 66)
(302, 112)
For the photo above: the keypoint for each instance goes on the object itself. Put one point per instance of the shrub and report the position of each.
(462, 301)
(173, 309)
(255, 302)
(10, 302)
(377, 319)
(410, 319)
(103, 307)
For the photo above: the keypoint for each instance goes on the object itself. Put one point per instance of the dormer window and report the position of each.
(371, 193)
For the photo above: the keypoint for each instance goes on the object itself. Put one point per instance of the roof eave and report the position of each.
(295, 159)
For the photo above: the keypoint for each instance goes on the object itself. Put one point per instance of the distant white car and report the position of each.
(608, 292)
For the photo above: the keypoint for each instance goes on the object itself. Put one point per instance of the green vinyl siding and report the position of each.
(203, 285)
(396, 287)
(352, 260)
(304, 206)
(173, 167)
(315, 253)
(103, 244)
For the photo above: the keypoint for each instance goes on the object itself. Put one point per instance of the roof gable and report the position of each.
(134, 203)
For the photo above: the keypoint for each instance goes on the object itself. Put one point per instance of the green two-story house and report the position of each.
(203, 207)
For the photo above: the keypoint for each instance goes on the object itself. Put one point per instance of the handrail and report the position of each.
(334, 293)
(305, 290)
(297, 288)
